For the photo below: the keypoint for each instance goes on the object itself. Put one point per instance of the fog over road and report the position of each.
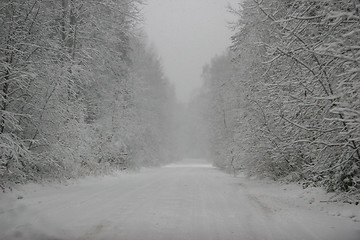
(183, 201)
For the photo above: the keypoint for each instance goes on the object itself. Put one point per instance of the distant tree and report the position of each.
(154, 104)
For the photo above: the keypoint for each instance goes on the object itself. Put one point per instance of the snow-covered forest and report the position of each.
(80, 91)
(83, 93)
(284, 102)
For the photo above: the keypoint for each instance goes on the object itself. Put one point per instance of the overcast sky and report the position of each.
(186, 35)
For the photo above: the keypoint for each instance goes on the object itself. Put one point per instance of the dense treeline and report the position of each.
(285, 102)
(80, 92)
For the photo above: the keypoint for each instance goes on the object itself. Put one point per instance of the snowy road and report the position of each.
(177, 202)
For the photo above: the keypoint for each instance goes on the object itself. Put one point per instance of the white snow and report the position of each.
(184, 201)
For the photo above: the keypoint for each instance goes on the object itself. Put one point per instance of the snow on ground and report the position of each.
(190, 200)
(310, 198)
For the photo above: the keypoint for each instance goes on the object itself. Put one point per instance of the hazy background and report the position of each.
(187, 34)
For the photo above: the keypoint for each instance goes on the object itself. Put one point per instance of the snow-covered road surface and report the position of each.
(189, 202)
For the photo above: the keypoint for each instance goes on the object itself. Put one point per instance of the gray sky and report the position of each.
(186, 35)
